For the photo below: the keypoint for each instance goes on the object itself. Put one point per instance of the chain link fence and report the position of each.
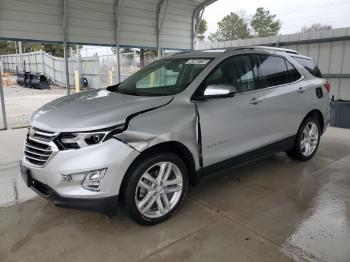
(100, 71)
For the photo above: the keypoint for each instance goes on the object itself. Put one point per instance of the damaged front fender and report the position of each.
(137, 140)
(172, 123)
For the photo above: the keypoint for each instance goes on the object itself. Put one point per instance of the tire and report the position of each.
(300, 150)
(150, 200)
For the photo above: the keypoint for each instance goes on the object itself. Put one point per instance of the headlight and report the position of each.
(84, 139)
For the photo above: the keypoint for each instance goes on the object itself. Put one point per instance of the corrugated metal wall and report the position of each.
(330, 49)
(333, 59)
(31, 19)
(92, 22)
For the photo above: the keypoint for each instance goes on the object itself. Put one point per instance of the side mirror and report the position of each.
(218, 91)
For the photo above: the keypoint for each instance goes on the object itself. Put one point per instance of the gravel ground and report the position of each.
(22, 102)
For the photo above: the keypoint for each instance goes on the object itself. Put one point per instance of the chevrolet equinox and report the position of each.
(143, 141)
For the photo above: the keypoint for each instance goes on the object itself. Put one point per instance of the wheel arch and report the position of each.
(174, 147)
(318, 114)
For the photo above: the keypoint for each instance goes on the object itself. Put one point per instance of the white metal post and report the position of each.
(42, 62)
(66, 66)
(64, 27)
(196, 17)
(20, 55)
(53, 69)
(277, 41)
(77, 72)
(194, 32)
(78, 59)
(161, 11)
(119, 64)
(36, 62)
(1, 68)
(2, 100)
(117, 17)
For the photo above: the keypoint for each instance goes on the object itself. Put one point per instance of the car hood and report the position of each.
(92, 110)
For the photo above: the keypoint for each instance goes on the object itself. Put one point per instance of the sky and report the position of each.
(294, 14)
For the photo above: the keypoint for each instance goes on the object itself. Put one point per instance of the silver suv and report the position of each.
(178, 120)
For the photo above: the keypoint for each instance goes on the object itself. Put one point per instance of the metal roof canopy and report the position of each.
(165, 24)
(161, 24)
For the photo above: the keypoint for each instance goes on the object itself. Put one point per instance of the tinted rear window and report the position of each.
(309, 65)
(293, 74)
(272, 71)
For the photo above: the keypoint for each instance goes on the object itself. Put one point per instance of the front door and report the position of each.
(233, 125)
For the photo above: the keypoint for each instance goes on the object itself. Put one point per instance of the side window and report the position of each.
(235, 71)
(293, 74)
(309, 65)
(272, 71)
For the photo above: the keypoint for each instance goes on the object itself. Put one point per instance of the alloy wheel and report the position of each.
(159, 190)
(309, 139)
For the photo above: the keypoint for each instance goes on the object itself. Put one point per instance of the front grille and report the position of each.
(39, 147)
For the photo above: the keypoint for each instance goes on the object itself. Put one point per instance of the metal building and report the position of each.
(141, 23)
(161, 24)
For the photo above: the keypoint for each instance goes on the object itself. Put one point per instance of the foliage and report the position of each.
(147, 52)
(202, 28)
(9, 47)
(315, 27)
(231, 27)
(57, 49)
(264, 23)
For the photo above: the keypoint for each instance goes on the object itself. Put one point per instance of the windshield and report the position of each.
(163, 77)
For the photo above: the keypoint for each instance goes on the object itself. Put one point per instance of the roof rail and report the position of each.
(181, 52)
(269, 48)
(291, 51)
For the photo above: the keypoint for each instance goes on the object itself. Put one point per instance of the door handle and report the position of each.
(255, 101)
(301, 89)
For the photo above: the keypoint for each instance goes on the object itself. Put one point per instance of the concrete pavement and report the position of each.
(275, 209)
(12, 188)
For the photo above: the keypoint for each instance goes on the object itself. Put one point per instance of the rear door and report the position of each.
(283, 104)
(315, 94)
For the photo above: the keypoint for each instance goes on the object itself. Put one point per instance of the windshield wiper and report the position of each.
(127, 92)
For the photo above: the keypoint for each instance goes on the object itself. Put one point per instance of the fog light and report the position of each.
(93, 179)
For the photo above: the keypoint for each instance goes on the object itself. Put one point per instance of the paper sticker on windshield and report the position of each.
(197, 62)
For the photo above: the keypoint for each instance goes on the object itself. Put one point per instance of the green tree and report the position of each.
(7, 47)
(264, 23)
(231, 27)
(315, 27)
(57, 49)
(202, 28)
(31, 47)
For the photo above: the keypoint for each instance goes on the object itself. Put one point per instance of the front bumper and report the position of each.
(106, 205)
(48, 182)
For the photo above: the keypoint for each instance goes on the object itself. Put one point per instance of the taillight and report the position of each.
(327, 85)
